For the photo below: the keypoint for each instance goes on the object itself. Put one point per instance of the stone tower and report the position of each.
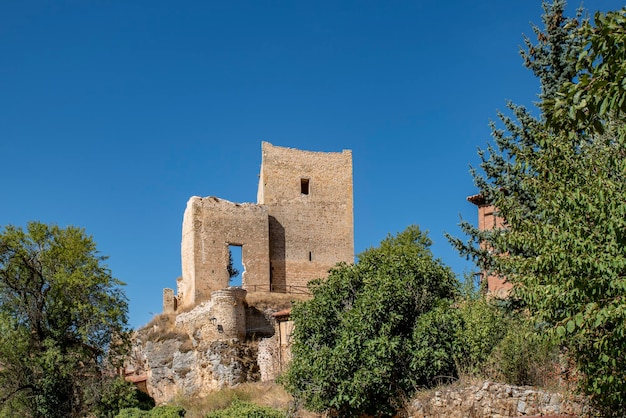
(309, 200)
(300, 227)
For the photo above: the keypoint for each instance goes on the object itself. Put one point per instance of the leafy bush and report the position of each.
(239, 409)
(483, 326)
(352, 341)
(165, 411)
(132, 413)
(496, 342)
(435, 344)
(118, 395)
(525, 358)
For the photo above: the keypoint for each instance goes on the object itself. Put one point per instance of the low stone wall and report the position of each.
(494, 400)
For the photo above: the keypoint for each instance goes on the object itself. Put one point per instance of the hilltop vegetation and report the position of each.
(558, 181)
(396, 321)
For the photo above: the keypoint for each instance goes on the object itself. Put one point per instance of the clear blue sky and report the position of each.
(114, 113)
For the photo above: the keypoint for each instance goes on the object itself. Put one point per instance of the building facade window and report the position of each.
(304, 186)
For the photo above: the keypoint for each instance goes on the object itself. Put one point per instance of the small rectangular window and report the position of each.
(304, 186)
(310, 256)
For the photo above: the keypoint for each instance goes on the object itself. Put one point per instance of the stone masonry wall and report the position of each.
(310, 228)
(301, 227)
(210, 225)
(230, 312)
(223, 317)
(494, 400)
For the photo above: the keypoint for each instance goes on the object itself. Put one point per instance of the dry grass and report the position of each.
(164, 322)
(260, 393)
(163, 327)
(273, 300)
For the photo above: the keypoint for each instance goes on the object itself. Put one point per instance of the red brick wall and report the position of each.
(487, 219)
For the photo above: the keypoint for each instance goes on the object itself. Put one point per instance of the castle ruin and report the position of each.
(300, 227)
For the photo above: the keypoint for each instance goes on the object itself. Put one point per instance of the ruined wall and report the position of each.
(169, 301)
(309, 198)
(259, 323)
(210, 225)
(274, 351)
(221, 318)
(301, 227)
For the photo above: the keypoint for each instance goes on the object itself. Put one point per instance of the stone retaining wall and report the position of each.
(494, 400)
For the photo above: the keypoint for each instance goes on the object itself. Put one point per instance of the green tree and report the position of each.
(232, 271)
(507, 171)
(597, 98)
(240, 408)
(114, 395)
(353, 341)
(62, 321)
(559, 182)
(586, 278)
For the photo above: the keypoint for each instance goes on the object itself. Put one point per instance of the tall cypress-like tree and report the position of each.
(508, 160)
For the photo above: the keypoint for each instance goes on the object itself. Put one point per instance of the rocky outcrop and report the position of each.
(172, 370)
(494, 400)
(199, 351)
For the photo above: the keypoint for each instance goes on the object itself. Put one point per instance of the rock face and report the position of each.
(199, 351)
(220, 343)
(173, 371)
(494, 400)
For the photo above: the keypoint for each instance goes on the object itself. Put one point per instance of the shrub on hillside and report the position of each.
(483, 326)
(158, 412)
(241, 408)
(523, 358)
(119, 395)
(497, 343)
(352, 342)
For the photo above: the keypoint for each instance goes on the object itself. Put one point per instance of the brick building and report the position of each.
(487, 219)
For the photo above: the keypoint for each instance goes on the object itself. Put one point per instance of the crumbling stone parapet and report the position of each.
(169, 301)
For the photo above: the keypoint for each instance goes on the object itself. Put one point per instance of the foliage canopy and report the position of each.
(559, 183)
(62, 321)
(240, 408)
(353, 342)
